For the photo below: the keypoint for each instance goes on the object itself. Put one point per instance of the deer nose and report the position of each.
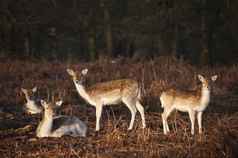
(29, 98)
(77, 81)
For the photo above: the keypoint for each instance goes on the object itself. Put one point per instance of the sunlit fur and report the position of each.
(31, 107)
(109, 93)
(57, 126)
(187, 101)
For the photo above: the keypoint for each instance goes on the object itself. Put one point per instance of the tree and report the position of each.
(91, 34)
(204, 58)
(109, 41)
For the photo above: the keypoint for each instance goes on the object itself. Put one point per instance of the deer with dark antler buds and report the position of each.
(31, 107)
(57, 126)
(187, 101)
(109, 93)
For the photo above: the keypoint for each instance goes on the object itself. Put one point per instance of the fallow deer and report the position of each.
(187, 101)
(57, 126)
(109, 93)
(31, 107)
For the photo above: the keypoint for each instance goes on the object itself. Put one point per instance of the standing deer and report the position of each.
(187, 101)
(109, 93)
(57, 126)
(31, 107)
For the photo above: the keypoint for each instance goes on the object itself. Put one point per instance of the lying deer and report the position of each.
(187, 101)
(57, 126)
(109, 93)
(31, 107)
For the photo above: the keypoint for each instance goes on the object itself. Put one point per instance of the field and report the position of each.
(220, 119)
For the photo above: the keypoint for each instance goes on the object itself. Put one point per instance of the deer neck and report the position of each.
(31, 103)
(45, 126)
(32, 106)
(205, 97)
(82, 91)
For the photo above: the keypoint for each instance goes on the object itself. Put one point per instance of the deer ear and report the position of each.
(71, 72)
(34, 89)
(23, 90)
(84, 72)
(200, 78)
(43, 103)
(59, 103)
(214, 78)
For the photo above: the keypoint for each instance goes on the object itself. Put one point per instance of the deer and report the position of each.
(110, 93)
(57, 126)
(31, 107)
(191, 101)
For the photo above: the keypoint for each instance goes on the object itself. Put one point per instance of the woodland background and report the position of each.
(202, 31)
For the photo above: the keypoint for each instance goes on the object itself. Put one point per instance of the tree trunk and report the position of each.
(175, 40)
(26, 42)
(108, 32)
(91, 38)
(26, 47)
(204, 57)
(211, 38)
(161, 38)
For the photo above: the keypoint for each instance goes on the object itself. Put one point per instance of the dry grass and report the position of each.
(220, 120)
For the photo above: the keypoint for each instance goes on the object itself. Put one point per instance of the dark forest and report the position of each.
(201, 31)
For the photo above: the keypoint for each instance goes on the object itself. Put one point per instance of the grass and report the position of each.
(220, 119)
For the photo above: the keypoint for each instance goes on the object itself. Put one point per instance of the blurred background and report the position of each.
(204, 32)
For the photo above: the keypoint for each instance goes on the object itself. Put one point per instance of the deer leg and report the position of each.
(192, 119)
(133, 110)
(81, 128)
(164, 119)
(165, 115)
(59, 132)
(140, 108)
(199, 117)
(74, 133)
(98, 116)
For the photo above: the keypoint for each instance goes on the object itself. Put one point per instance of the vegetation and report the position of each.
(202, 31)
(18, 130)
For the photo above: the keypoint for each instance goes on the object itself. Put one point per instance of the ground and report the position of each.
(18, 130)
